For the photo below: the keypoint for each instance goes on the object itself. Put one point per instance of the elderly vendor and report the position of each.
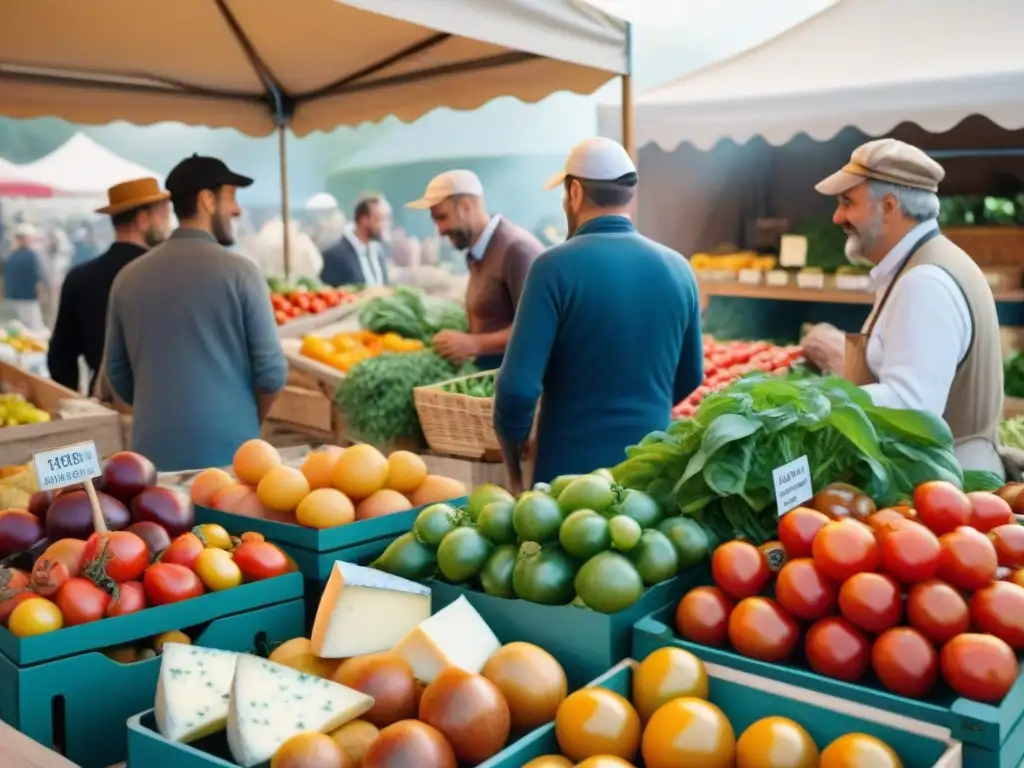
(931, 342)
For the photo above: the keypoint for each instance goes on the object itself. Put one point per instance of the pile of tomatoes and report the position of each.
(726, 361)
(913, 595)
(288, 306)
(112, 574)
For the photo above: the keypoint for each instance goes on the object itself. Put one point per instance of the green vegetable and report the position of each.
(584, 533)
(495, 522)
(376, 394)
(544, 575)
(981, 480)
(483, 495)
(587, 492)
(559, 484)
(608, 582)
(639, 506)
(496, 576)
(462, 554)
(474, 386)
(655, 558)
(409, 313)
(625, 532)
(717, 467)
(690, 540)
(434, 523)
(1013, 376)
(1011, 433)
(407, 557)
(536, 517)
(605, 473)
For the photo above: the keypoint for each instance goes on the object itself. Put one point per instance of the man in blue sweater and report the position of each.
(608, 329)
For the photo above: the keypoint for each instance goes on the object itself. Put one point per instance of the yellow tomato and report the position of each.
(776, 742)
(857, 750)
(35, 616)
(215, 536)
(174, 636)
(604, 761)
(217, 569)
(597, 721)
(668, 673)
(689, 732)
(549, 761)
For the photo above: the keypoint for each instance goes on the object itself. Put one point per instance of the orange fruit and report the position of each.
(253, 459)
(406, 471)
(437, 488)
(319, 465)
(689, 732)
(776, 742)
(325, 508)
(207, 483)
(383, 502)
(597, 721)
(531, 680)
(238, 499)
(859, 750)
(549, 761)
(355, 738)
(297, 654)
(282, 489)
(604, 761)
(360, 471)
(668, 673)
(310, 750)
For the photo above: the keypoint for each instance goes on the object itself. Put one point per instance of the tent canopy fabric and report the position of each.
(870, 64)
(14, 183)
(319, 63)
(80, 166)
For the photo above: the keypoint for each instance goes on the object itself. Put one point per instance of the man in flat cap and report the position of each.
(931, 341)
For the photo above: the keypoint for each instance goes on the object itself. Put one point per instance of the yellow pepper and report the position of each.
(316, 348)
(395, 343)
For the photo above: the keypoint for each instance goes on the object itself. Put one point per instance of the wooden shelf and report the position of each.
(824, 296)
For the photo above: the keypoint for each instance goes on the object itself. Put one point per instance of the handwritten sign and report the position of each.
(72, 464)
(792, 484)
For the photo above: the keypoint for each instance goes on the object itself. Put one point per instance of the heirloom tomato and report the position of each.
(804, 590)
(740, 569)
(905, 662)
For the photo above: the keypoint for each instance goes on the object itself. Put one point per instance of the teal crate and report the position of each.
(313, 550)
(746, 698)
(75, 699)
(148, 749)
(993, 736)
(585, 642)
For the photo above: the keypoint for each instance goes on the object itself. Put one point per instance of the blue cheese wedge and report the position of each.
(192, 691)
(270, 703)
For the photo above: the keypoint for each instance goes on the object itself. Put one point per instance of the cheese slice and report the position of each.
(270, 703)
(364, 610)
(455, 636)
(192, 691)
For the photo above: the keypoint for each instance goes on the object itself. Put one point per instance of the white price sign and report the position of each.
(792, 484)
(72, 464)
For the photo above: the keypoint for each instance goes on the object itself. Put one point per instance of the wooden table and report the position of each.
(19, 751)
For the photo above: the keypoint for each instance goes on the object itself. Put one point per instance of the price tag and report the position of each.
(792, 484)
(59, 467)
(793, 251)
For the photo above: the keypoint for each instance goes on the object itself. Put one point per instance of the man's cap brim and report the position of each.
(555, 181)
(839, 182)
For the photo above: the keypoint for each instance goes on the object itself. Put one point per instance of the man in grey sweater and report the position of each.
(191, 342)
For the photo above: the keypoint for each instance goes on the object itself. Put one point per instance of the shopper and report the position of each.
(358, 259)
(931, 342)
(24, 271)
(608, 330)
(140, 214)
(191, 339)
(498, 255)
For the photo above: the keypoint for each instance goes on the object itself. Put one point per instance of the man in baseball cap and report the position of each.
(608, 329)
(203, 195)
(498, 256)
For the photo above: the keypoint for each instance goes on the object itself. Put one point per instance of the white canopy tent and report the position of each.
(869, 64)
(82, 167)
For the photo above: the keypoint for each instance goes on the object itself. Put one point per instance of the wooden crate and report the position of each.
(74, 419)
(308, 408)
(455, 424)
(990, 246)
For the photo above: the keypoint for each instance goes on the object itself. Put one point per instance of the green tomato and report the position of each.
(462, 553)
(495, 522)
(496, 575)
(655, 558)
(688, 537)
(608, 582)
(625, 532)
(536, 517)
(434, 523)
(584, 533)
(544, 575)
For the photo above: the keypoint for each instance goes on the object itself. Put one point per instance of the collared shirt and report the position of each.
(922, 334)
(369, 259)
(479, 248)
(23, 271)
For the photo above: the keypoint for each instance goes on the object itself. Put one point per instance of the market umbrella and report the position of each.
(262, 65)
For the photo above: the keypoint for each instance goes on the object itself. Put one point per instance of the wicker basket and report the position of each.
(457, 425)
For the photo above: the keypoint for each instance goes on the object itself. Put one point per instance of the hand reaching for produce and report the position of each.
(456, 347)
(825, 346)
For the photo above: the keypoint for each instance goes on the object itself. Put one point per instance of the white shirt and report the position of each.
(369, 259)
(479, 248)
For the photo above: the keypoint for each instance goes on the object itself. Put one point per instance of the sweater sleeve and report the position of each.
(269, 368)
(690, 370)
(118, 365)
(521, 378)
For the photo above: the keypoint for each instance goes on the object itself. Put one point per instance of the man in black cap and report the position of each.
(191, 340)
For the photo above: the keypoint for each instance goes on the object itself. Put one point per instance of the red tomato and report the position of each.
(48, 576)
(804, 590)
(941, 506)
(316, 306)
(183, 550)
(910, 553)
(761, 629)
(998, 609)
(126, 554)
(170, 583)
(845, 547)
(905, 661)
(1009, 543)
(81, 601)
(739, 569)
(703, 615)
(797, 529)
(888, 526)
(260, 560)
(836, 648)
(937, 610)
(979, 667)
(872, 601)
(281, 317)
(989, 511)
(130, 598)
(14, 583)
(883, 517)
(968, 559)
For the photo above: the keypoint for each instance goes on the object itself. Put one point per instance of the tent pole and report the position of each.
(628, 124)
(282, 135)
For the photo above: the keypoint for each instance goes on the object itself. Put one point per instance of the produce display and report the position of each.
(668, 722)
(1011, 433)
(1013, 375)
(20, 341)
(412, 314)
(476, 386)
(17, 484)
(411, 689)
(307, 296)
(344, 350)
(16, 410)
(726, 262)
(333, 486)
(726, 361)
(582, 540)
(913, 597)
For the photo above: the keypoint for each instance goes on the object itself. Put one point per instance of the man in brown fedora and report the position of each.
(140, 213)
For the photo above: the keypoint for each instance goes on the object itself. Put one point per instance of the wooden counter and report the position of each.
(19, 751)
